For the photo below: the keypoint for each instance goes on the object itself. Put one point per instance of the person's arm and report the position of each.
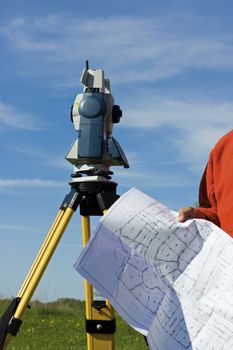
(207, 208)
(207, 199)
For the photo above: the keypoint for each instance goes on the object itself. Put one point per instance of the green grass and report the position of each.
(60, 325)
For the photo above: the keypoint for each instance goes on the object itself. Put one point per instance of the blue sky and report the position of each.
(171, 69)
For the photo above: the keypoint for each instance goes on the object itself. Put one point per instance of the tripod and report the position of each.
(93, 195)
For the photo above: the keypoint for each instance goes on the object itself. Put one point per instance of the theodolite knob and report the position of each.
(116, 114)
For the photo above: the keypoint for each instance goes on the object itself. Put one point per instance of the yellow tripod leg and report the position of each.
(40, 264)
(96, 341)
(43, 260)
(40, 253)
(88, 290)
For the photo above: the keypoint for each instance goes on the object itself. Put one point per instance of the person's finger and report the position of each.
(185, 213)
(180, 217)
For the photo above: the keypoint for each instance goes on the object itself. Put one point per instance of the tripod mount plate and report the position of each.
(93, 197)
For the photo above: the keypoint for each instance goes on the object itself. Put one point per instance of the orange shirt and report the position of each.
(216, 187)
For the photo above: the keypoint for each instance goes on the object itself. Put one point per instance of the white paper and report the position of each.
(171, 281)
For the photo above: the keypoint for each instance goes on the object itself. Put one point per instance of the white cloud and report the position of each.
(193, 127)
(54, 160)
(152, 179)
(11, 118)
(10, 227)
(176, 113)
(138, 49)
(22, 183)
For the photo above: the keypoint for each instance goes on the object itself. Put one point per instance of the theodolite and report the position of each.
(93, 115)
(92, 154)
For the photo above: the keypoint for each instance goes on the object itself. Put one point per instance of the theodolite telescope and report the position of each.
(93, 115)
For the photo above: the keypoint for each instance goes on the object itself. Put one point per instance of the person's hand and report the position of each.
(189, 213)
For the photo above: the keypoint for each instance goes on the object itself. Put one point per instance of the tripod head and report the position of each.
(93, 115)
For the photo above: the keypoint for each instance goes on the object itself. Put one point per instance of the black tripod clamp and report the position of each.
(8, 323)
(93, 197)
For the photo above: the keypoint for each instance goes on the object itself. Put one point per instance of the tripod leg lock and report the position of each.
(101, 326)
(72, 200)
(14, 326)
(8, 323)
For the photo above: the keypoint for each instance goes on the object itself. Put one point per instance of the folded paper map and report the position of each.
(171, 281)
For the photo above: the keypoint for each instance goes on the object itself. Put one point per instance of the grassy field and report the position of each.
(60, 325)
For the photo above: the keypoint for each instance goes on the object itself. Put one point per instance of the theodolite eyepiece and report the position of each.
(93, 115)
